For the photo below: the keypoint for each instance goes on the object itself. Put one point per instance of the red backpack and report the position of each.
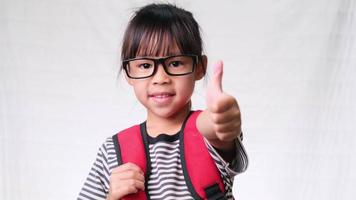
(200, 172)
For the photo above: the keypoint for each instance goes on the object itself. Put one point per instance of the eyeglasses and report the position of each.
(177, 65)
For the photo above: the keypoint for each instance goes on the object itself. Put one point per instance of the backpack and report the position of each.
(200, 172)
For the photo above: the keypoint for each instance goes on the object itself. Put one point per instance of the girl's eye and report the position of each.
(175, 63)
(145, 65)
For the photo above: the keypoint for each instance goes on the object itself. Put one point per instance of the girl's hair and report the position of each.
(156, 28)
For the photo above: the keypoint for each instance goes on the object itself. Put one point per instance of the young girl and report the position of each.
(162, 60)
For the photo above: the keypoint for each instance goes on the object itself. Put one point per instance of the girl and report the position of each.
(162, 60)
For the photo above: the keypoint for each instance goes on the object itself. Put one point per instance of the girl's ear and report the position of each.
(201, 67)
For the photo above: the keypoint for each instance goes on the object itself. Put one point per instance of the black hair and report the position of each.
(155, 26)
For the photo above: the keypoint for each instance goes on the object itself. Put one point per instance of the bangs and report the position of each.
(157, 43)
(151, 39)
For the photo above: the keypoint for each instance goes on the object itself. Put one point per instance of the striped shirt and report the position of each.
(166, 180)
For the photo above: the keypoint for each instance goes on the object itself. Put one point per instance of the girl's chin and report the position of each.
(163, 113)
(169, 112)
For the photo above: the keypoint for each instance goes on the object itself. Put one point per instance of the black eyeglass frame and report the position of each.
(158, 61)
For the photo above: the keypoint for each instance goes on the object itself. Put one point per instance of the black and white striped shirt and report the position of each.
(166, 180)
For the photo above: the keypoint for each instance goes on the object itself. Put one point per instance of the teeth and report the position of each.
(162, 96)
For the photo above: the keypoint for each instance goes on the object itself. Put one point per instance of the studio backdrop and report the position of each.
(291, 65)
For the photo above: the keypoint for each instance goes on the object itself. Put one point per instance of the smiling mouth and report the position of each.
(164, 97)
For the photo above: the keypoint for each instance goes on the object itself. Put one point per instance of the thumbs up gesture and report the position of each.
(221, 121)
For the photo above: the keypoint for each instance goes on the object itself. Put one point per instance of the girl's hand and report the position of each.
(223, 108)
(125, 179)
(220, 123)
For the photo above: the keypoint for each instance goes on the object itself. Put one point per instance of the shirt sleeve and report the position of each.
(97, 182)
(239, 163)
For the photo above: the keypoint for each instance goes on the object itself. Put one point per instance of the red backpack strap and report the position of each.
(199, 169)
(131, 146)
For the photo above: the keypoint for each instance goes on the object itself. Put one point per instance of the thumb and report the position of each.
(216, 84)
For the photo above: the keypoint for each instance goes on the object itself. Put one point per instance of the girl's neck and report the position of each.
(157, 125)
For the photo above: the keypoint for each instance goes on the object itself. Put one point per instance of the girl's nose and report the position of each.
(160, 77)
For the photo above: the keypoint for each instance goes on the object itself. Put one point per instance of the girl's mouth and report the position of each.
(162, 97)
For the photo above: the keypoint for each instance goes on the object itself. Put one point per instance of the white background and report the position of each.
(290, 64)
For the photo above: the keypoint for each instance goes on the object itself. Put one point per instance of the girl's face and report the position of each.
(164, 95)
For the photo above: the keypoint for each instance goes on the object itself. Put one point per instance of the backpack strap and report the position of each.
(132, 146)
(199, 169)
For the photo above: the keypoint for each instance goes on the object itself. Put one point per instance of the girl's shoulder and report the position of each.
(107, 145)
(107, 154)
